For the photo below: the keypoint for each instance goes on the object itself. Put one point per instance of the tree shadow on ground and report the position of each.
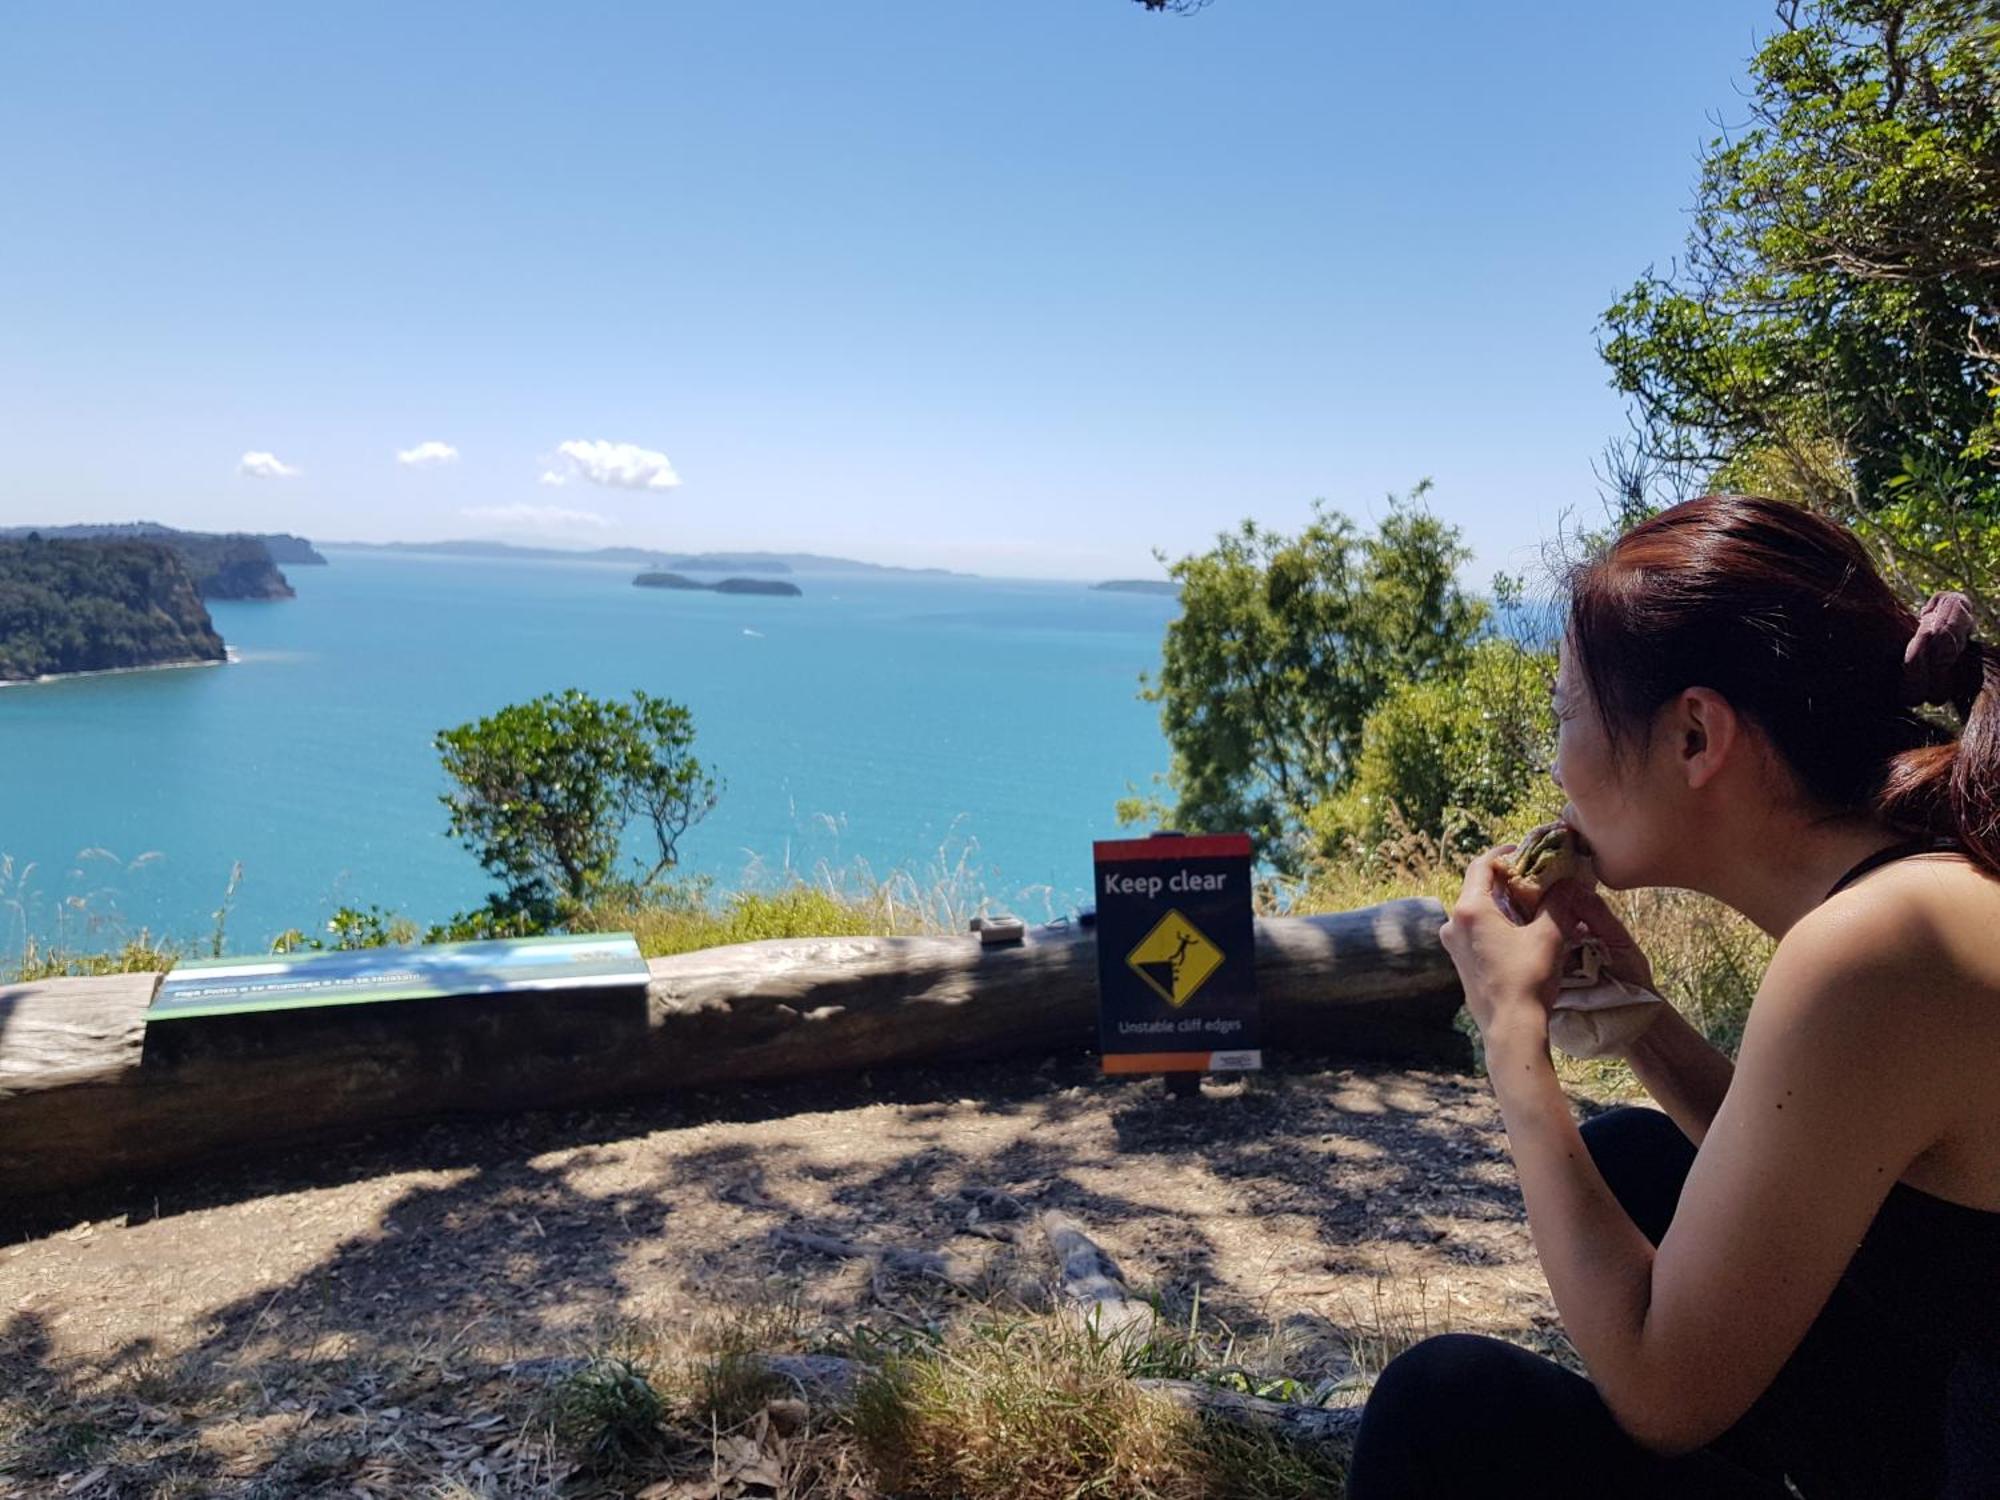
(521, 1240)
(470, 1140)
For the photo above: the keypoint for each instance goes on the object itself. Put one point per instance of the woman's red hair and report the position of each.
(1783, 613)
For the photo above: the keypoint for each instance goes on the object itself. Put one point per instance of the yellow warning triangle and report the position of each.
(1175, 958)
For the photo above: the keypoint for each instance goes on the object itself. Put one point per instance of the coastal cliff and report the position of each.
(96, 606)
(232, 567)
(774, 586)
(293, 551)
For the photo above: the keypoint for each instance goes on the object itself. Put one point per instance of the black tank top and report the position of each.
(1930, 1269)
(1931, 845)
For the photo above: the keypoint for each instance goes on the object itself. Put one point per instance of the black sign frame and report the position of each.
(1176, 973)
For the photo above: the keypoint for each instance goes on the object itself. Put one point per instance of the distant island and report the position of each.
(231, 565)
(726, 586)
(98, 606)
(1139, 586)
(652, 557)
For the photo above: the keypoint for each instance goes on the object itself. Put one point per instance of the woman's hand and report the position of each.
(1510, 971)
(1575, 903)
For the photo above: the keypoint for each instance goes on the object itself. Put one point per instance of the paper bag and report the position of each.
(1596, 1014)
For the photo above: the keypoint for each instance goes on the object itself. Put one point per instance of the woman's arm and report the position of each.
(1686, 1075)
(1835, 1092)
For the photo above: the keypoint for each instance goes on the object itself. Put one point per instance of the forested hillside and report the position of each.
(224, 565)
(90, 606)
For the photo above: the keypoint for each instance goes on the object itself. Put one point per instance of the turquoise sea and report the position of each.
(970, 730)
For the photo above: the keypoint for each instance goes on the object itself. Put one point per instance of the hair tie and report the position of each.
(1930, 661)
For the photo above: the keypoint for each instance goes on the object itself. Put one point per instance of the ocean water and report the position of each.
(976, 730)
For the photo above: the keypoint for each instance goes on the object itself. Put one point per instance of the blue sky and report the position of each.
(1025, 288)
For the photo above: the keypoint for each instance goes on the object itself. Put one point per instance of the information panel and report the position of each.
(1177, 986)
(235, 986)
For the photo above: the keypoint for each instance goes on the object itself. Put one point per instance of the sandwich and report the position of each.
(1595, 1014)
(1552, 852)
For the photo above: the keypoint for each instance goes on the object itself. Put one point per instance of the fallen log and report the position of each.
(89, 1093)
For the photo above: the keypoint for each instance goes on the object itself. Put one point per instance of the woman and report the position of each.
(1789, 1281)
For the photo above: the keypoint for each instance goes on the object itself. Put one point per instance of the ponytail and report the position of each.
(1953, 789)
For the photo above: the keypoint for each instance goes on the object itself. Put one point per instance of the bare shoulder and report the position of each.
(1932, 917)
(1904, 964)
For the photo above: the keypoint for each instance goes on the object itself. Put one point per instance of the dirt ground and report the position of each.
(1292, 1203)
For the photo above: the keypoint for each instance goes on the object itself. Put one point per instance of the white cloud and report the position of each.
(427, 455)
(266, 466)
(552, 479)
(536, 517)
(625, 466)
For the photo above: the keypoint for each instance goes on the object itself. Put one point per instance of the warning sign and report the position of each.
(1175, 959)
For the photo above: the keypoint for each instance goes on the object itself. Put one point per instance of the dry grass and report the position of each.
(1031, 1404)
(1038, 1408)
(682, 926)
(139, 955)
(941, 895)
(969, 1399)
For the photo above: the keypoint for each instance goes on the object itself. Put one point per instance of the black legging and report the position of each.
(1464, 1415)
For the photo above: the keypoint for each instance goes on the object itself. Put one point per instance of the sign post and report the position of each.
(1177, 988)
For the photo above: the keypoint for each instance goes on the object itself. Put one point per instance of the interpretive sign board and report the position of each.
(1177, 987)
(239, 986)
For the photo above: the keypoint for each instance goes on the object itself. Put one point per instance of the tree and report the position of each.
(1833, 332)
(546, 789)
(1451, 759)
(1283, 647)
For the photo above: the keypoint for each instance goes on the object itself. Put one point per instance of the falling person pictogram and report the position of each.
(1175, 959)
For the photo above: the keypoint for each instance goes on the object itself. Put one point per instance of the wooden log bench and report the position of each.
(89, 1093)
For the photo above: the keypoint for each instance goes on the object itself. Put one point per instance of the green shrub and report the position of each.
(349, 928)
(497, 918)
(1449, 757)
(608, 1413)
